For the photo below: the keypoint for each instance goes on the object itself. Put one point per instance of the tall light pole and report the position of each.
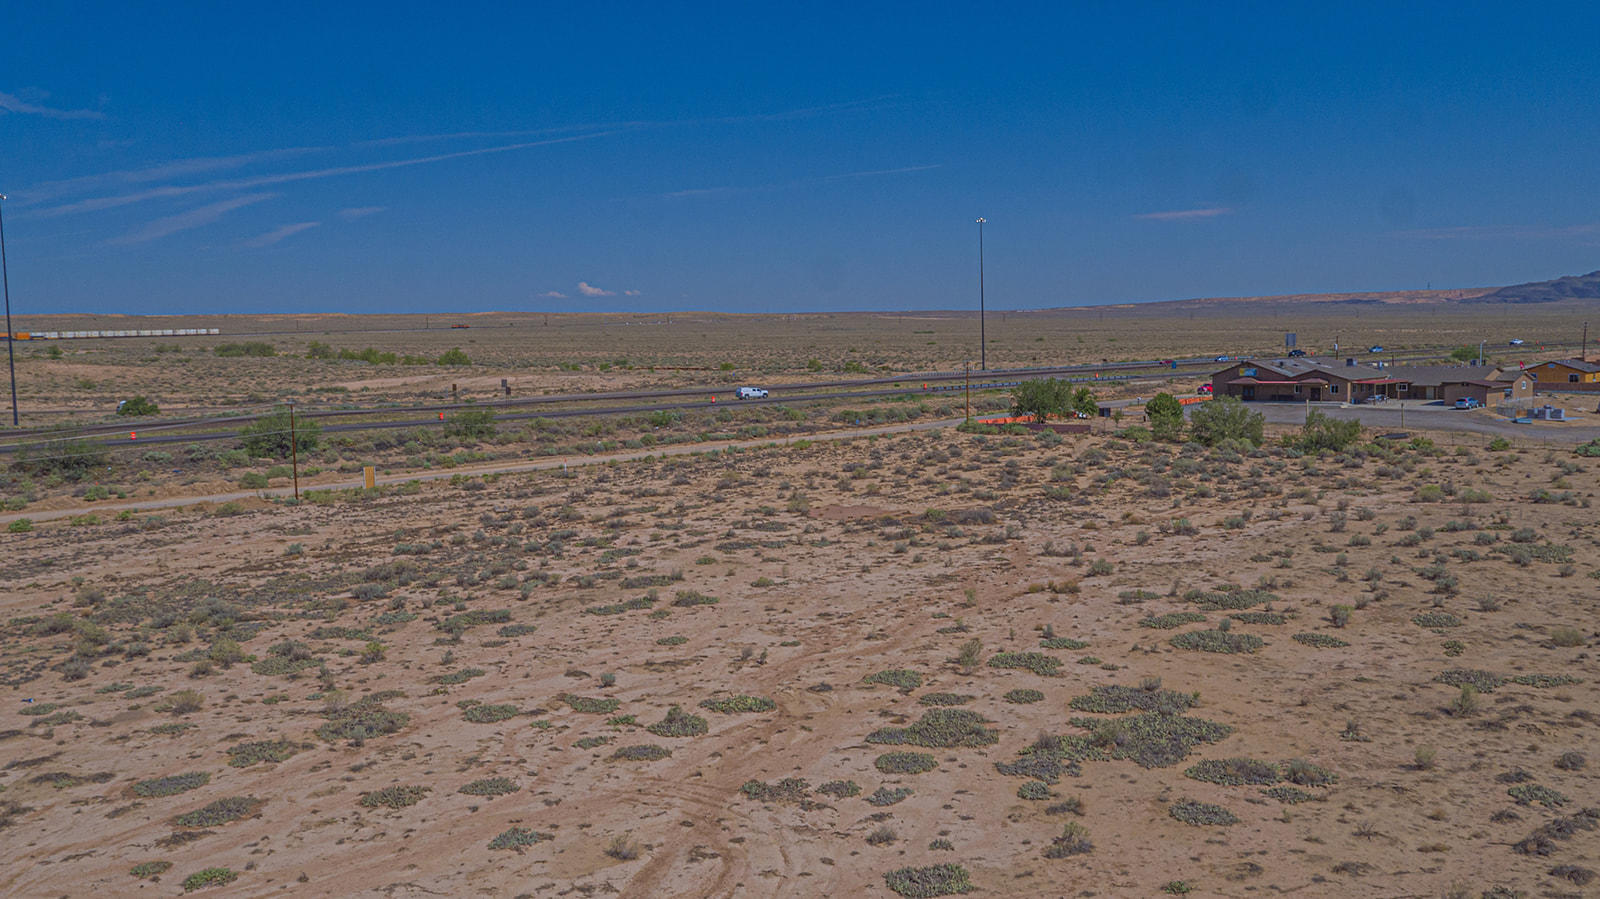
(983, 341)
(5, 279)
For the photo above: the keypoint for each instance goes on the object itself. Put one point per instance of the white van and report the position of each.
(752, 393)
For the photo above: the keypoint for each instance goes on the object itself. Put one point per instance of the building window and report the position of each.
(1572, 379)
(1333, 389)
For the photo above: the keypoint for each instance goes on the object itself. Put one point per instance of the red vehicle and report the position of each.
(1204, 389)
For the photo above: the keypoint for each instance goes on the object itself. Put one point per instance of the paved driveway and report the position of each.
(1423, 416)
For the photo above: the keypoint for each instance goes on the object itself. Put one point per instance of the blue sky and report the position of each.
(199, 157)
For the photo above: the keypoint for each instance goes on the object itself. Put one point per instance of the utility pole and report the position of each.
(11, 358)
(1584, 352)
(968, 364)
(983, 340)
(294, 453)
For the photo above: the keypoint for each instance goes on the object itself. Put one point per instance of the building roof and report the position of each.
(1315, 382)
(1579, 364)
(1438, 375)
(1304, 365)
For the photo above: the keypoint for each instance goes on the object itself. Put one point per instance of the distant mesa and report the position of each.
(1572, 287)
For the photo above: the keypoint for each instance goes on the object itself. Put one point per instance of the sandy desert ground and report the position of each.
(1058, 667)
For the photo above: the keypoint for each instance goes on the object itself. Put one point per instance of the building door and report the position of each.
(1316, 394)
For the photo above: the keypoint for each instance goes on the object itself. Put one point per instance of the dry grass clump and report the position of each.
(1074, 840)
(173, 785)
(940, 729)
(150, 870)
(929, 882)
(243, 755)
(1171, 620)
(1236, 772)
(490, 786)
(223, 811)
(840, 789)
(1218, 641)
(904, 680)
(679, 723)
(394, 797)
(1320, 641)
(1037, 662)
(1112, 700)
(1151, 739)
(590, 706)
(641, 753)
(209, 877)
(733, 705)
(489, 714)
(1201, 814)
(790, 789)
(622, 848)
(884, 796)
(905, 763)
(362, 720)
(944, 699)
(518, 838)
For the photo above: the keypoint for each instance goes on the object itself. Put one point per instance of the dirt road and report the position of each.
(543, 464)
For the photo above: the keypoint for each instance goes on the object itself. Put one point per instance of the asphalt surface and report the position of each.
(1415, 416)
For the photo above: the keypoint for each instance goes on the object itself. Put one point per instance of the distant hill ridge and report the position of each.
(1571, 287)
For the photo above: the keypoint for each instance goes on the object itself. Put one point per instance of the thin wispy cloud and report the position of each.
(589, 290)
(554, 295)
(177, 168)
(100, 203)
(15, 105)
(1185, 215)
(630, 293)
(184, 221)
(804, 182)
(1586, 233)
(874, 173)
(278, 234)
(360, 212)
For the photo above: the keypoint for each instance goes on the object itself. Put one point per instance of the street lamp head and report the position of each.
(982, 220)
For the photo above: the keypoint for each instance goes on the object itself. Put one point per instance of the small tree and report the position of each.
(137, 406)
(1040, 398)
(1325, 432)
(71, 460)
(268, 436)
(1083, 402)
(471, 424)
(1166, 416)
(454, 357)
(1225, 418)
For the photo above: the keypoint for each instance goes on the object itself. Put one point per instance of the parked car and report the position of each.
(1222, 359)
(1375, 349)
(1517, 341)
(752, 393)
(1297, 353)
(1467, 402)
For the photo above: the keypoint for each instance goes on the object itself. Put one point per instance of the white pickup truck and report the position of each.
(752, 393)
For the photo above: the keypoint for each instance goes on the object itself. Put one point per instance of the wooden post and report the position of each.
(294, 453)
(371, 476)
